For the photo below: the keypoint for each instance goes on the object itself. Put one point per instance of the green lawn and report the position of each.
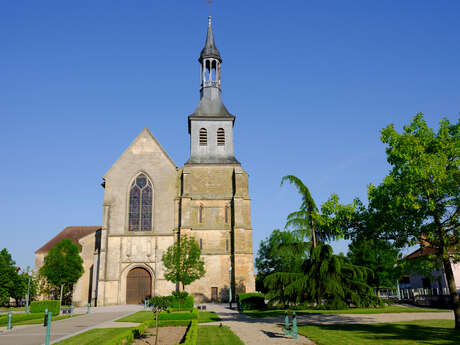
(29, 319)
(389, 309)
(207, 316)
(212, 335)
(12, 309)
(421, 332)
(98, 336)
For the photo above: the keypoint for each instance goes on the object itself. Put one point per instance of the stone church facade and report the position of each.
(149, 202)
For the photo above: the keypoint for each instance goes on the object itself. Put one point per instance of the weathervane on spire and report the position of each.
(210, 7)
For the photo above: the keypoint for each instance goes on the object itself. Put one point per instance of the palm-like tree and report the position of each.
(302, 220)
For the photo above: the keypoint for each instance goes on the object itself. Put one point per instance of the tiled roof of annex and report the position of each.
(72, 232)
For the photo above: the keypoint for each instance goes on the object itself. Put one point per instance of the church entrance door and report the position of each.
(138, 286)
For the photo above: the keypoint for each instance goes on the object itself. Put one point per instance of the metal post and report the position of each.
(48, 329)
(230, 289)
(71, 310)
(89, 308)
(28, 290)
(10, 317)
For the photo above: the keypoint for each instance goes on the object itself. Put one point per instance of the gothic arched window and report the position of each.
(203, 137)
(140, 204)
(220, 137)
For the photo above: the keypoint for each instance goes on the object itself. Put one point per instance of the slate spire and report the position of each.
(210, 50)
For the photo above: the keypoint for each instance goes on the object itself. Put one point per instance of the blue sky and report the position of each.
(311, 84)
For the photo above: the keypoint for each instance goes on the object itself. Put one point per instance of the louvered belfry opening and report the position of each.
(203, 137)
(220, 137)
(138, 286)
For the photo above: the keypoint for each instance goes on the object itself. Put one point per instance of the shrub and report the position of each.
(251, 301)
(192, 334)
(186, 303)
(179, 316)
(166, 323)
(40, 306)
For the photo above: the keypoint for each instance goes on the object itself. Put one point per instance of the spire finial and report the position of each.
(210, 9)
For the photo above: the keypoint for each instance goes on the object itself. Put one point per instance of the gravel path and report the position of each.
(254, 331)
(267, 331)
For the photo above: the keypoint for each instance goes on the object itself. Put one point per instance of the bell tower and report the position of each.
(211, 124)
(213, 203)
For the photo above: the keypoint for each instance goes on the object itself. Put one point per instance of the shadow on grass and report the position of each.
(420, 332)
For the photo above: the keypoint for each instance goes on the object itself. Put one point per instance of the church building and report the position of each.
(149, 202)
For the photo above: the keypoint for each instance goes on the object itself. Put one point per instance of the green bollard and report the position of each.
(286, 323)
(71, 310)
(48, 329)
(89, 308)
(10, 317)
(294, 326)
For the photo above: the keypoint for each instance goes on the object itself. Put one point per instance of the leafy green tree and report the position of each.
(8, 274)
(63, 265)
(278, 253)
(183, 262)
(380, 256)
(418, 201)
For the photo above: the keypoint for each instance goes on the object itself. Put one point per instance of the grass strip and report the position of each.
(420, 332)
(207, 316)
(30, 319)
(211, 335)
(100, 336)
(383, 310)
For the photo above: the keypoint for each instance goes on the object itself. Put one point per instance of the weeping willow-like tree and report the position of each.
(324, 277)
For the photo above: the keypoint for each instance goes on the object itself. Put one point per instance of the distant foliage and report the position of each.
(12, 283)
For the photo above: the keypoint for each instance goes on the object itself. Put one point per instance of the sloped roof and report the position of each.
(72, 232)
(424, 251)
(210, 49)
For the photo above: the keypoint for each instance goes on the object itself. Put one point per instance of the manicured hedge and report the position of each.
(192, 334)
(164, 315)
(40, 306)
(251, 301)
(187, 303)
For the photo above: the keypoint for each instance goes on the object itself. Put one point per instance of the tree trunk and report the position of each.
(60, 298)
(313, 232)
(156, 327)
(453, 290)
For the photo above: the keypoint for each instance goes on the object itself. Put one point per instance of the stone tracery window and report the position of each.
(140, 204)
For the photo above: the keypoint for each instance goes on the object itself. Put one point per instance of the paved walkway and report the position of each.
(254, 331)
(62, 329)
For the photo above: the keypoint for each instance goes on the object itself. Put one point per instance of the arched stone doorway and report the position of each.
(138, 286)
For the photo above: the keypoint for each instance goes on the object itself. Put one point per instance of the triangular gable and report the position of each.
(145, 142)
